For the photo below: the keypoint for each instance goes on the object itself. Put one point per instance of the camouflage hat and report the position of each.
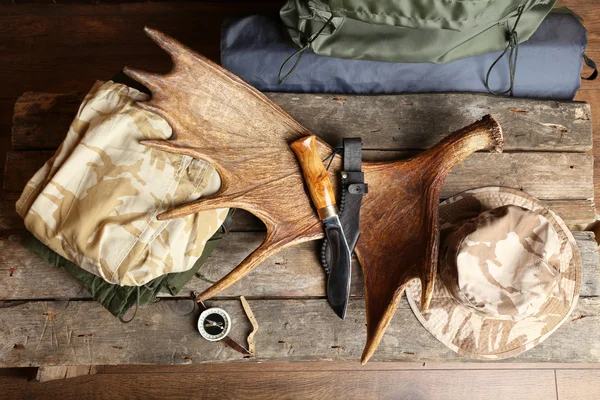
(509, 274)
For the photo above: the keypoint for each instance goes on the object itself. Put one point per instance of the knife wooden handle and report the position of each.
(315, 175)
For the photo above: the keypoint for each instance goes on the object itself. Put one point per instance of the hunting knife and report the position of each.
(323, 197)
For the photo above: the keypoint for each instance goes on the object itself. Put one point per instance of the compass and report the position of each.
(214, 324)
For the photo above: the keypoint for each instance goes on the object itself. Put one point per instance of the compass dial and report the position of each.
(214, 324)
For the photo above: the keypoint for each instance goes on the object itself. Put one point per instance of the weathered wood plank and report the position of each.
(384, 122)
(593, 98)
(80, 332)
(250, 384)
(588, 247)
(327, 366)
(548, 176)
(6, 114)
(573, 212)
(46, 374)
(403, 122)
(9, 219)
(24, 276)
(41, 121)
(580, 385)
(21, 167)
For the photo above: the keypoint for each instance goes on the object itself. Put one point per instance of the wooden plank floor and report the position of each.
(66, 47)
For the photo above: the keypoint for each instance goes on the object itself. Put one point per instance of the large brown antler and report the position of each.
(400, 223)
(219, 118)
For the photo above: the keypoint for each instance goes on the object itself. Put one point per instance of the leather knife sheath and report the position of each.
(353, 189)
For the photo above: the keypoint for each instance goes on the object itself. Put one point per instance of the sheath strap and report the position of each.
(352, 154)
(353, 189)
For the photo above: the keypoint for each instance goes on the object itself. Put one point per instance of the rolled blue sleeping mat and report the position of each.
(548, 65)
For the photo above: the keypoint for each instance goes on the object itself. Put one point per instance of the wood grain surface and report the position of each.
(383, 122)
(46, 374)
(573, 212)
(315, 175)
(55, 55)
(580, 385)
(82, 333)
(248, 384)
(400, 213)
(338, 366)
(24, 276)
(547, 176)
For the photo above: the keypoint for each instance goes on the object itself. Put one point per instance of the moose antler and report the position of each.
(219, 118)
(400, 222)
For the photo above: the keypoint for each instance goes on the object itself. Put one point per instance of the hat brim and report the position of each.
(483, 337)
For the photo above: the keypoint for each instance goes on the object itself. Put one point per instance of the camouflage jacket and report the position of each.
(96, 200)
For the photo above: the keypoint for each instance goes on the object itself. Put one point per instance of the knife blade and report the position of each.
(323, 197)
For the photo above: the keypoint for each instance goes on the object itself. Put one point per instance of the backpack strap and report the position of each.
(513, 45)
(299, 53)
(590, 63)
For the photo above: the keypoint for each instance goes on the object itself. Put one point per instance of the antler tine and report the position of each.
(179, 55)
(218, 200)
(179, 132)
(427, 286)
(269, 246)
(427, 275)
(175, 147)
(148, 79)
(173, 47)
(375, 333)
(183, 57)
(179, 146)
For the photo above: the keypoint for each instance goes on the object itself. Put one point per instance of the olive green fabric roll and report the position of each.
(436, 31)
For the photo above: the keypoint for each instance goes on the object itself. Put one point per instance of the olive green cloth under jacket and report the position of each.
(116, 298)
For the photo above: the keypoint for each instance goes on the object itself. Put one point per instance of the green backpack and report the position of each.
(417, 31)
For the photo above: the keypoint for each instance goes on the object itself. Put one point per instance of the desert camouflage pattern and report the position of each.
(509, 274)
(96, 200)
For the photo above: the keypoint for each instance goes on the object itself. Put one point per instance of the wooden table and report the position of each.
(48, 319)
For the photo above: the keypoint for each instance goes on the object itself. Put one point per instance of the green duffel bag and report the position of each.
(435, 31)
